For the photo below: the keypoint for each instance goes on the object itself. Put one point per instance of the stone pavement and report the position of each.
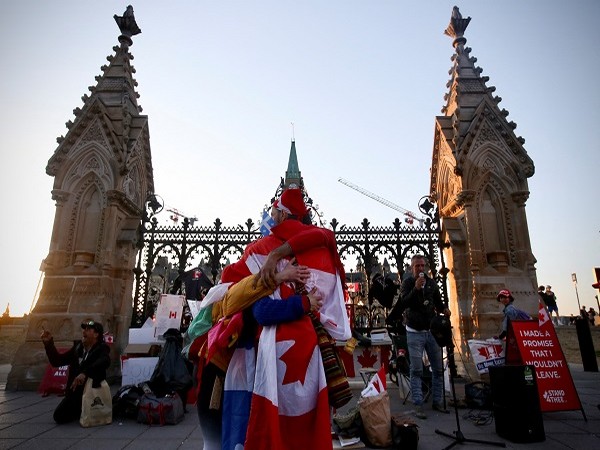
(26, 423)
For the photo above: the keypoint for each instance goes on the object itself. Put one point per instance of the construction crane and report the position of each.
(410, 216)
(176, 214)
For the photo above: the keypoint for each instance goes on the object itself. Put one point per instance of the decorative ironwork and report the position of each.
(168, 251)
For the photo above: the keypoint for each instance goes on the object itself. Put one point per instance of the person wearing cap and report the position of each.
(87, 358)
(510, 311)
(298, 235)
(287, 213)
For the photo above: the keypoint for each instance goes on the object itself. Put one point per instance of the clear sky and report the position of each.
(361, 80)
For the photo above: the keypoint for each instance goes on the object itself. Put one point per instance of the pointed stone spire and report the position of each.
(292, 174)
(467, 94)
(114, 95)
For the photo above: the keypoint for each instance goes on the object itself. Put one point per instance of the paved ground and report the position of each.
(26, 423)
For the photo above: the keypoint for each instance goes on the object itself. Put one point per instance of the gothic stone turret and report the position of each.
(479, 180)
(102, 173)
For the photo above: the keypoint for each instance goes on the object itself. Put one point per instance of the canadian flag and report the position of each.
(543, 317)
(377, 384)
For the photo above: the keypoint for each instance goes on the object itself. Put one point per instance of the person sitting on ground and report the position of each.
(87, 358)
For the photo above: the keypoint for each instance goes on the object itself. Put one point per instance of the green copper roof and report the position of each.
(293, 171)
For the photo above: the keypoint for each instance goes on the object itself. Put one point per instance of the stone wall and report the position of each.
(12, 335)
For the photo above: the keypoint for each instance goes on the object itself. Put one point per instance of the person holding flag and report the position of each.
(289, 386)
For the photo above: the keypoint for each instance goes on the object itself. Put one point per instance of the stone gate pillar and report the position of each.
(102, 173)
(479, 180)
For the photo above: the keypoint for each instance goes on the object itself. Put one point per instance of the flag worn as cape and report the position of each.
(289, 408)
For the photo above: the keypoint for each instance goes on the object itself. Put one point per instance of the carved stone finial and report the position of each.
(127, 23)
(457, 26)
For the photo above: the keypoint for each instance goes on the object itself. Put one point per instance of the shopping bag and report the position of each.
(96, 405)
(376, 419)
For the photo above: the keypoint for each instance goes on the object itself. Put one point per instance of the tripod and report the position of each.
(457, 435)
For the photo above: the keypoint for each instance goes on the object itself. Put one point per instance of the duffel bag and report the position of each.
(166, 410)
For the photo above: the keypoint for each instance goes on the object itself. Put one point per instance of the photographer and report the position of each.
(420, 301)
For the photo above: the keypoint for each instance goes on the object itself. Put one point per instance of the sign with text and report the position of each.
(54, 381)
(137, 370)
(530, 343)
(486, 354)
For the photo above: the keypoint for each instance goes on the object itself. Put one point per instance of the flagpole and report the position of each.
(574, 278)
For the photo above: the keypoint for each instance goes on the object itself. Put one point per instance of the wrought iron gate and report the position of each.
(167, 252)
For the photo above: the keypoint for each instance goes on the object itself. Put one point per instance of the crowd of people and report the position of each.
(589, 314)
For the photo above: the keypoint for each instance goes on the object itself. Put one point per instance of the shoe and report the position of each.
(440, 408)
(419, 413)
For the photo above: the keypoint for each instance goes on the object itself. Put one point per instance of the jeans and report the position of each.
(417, 342)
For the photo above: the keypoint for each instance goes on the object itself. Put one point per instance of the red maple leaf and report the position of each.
(296, 362)
(367, 359)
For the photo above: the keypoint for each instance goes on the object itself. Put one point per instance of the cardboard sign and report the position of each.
(532, 342)
(137, 370)
(168, 313)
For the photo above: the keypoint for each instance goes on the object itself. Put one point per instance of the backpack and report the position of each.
(125, 402)
(522, 315)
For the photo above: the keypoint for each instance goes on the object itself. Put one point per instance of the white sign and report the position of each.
(194, 306)
(137, 370)
(168, 313)
(487, 353)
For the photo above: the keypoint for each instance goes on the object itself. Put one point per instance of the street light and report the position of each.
(574, 279)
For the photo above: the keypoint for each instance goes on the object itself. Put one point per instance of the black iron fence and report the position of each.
(169, 251)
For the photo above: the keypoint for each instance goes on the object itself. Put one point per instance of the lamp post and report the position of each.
(574, 279)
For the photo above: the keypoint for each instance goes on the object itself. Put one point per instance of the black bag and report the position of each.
(478, 395)
(126, 401)
(405, 433)
(441, 329)
(171, 373)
